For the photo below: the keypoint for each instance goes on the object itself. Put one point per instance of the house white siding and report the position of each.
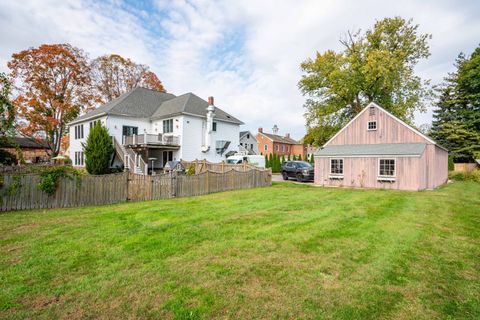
(193, 138)
(76, 144)
(249, 142)
(191, 130)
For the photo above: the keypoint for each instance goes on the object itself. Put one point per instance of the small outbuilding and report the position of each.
(378, 150)
(174, 166)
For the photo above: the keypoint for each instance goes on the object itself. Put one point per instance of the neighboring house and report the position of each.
(378, 150)
(273, 143)
(150, 128)
(33, 151)
(248, 143)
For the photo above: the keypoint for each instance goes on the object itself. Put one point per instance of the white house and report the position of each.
(150, 128)
(248, 142)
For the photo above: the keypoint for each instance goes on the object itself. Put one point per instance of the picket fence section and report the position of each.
(203, 166)
(21, 192)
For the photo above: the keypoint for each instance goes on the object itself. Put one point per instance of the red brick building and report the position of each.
(282, 145)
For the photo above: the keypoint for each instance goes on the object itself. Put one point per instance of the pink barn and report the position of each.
(378, 150)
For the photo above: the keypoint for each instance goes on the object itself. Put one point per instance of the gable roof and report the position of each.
(190, 104)
(373, 104)
(277, 138)
(24, 142)
(243, 133)
(382, 149)
(146, 103)
(138, 102)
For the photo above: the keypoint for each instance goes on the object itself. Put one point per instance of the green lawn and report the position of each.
(285, 252)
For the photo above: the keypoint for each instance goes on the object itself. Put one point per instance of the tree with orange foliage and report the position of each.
(52, 84)
(113, 75)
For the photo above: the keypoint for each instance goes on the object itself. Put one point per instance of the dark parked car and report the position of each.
(300, 170)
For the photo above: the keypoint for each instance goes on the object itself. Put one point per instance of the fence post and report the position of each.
(127, 184)
(207, 181)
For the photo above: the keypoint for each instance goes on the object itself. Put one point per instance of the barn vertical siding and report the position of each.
(428, 171)
(362, 172)
(389, 130)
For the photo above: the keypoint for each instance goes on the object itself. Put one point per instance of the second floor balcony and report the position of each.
(152, 140)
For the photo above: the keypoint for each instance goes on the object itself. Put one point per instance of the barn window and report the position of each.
(372, 125)
(336, 167)
(386, 168)
(372, 111)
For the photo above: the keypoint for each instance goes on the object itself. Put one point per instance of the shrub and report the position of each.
(451, 165)
(98, 150)
(7, 158)
(465, 176)
(190, 170)
(49, 178)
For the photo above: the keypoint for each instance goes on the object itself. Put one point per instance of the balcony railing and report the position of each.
(152, 139)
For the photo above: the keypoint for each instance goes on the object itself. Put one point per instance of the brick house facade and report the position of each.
(282, 145)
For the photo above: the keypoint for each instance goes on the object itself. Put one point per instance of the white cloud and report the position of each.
(245, 53)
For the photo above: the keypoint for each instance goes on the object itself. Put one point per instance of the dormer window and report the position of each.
(372, 125)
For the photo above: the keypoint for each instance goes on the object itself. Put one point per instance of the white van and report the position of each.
(254, 160)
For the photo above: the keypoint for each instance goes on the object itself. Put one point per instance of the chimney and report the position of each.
(287, 135)
(210, 101)
(275, 129)
(260, 130)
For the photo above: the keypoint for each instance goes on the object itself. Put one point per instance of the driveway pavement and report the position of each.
(278, 177)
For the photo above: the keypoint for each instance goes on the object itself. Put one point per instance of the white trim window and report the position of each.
(372, 125)
(94, 122)
(387, 169)
(336, 167)
(79, 158)
(79, 132)
(168, 126)
(214, 127)
(276, 147)
(265, 147)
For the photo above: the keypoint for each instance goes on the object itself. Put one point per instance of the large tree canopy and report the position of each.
(376, 65)
(52, 83)
(113, 75)
(456, 123)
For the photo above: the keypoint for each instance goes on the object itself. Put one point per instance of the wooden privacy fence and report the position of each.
(466, 167)
(21, 192)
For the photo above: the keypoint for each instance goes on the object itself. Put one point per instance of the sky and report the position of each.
(244, 53)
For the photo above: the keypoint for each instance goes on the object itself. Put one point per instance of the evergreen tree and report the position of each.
(456, 123)
(294, 158)
(270, 161)
(289, 157)
(267, 163)
(274, 165)
(283, 159)
(98, 150)
(299, 157)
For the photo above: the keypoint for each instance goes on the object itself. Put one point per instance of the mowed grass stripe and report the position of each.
(289, 251)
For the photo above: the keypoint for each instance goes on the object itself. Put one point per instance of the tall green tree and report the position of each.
(267, 163)
(456, 123)
(98, 150)
(375, 65)
(7, 111)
